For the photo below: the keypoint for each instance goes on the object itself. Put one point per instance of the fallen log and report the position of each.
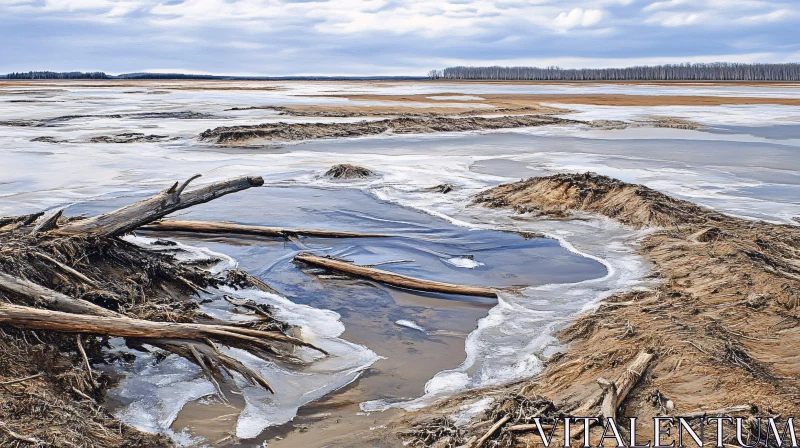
(35, 294)
(36, 319)
(242, 229)
(393, 279)
(608, 408)
(133, 216)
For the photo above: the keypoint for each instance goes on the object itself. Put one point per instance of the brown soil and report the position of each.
(426, 110)
(526, 100)
(272, 132)
(724, 325)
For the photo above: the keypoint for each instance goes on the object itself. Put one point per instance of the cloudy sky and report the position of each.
(387, 37)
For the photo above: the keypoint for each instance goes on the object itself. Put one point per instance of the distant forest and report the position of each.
(719, 71)
(181, 76)
(57, 75)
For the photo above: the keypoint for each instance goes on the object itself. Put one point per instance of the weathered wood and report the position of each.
(35, 294)
(724, 411)
(20, 437)
(242, 229)
(122, 326)
(491, 431)
(21, 380)
(49, 222)
(213, 359)
(133, 216)
(67, 269)
(527, 427)
(19, 221)
(631, 376)
(613, 395)
(608, 408)
(398, 280)
(623, 384)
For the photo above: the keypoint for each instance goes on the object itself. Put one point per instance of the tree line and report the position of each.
(718, 71)
(57, 75)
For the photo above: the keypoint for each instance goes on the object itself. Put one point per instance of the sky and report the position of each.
(387, 37)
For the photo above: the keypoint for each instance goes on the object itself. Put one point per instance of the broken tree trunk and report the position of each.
(48, 223)
(35, 294)
(614, 394)
(608, 409)
(241, 229)
(131, 217)
(398, 280)
(623, 385)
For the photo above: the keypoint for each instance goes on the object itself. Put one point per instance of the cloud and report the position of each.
(579, 17)
(279, 37)
(675, 19)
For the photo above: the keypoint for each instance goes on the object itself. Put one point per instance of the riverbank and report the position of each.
(723, 325)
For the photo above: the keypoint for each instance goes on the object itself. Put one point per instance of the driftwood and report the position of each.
(36, 319)
(612, 395)
(723, 411)
(527, 427)
(623, 385)
(48, 223)
(241, 229)
(35, 294)
(608, 408)
(202, 351)
(131, 217)
(393, 279)
(491, 431)
(21, 380)
(67, 269)
(19, 437)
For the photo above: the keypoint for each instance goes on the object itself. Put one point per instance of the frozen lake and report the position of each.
(746, 163)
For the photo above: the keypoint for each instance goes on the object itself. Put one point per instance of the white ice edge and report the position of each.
(156, 392)
(516, 336)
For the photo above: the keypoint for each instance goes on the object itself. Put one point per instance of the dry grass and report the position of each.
(723, 324)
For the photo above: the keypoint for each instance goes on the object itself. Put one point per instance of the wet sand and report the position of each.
(411, 358)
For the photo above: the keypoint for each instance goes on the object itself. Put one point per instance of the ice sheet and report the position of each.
(740, 173)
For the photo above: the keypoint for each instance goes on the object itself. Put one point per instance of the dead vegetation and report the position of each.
(722, 329)
(272, 132)
(129, 137)
(325, 111)
(67, 284)
(348, 171)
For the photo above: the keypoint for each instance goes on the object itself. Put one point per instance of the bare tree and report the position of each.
(717, 71)
(435, 74)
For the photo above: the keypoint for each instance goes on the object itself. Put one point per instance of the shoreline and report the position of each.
(96, 82)
(713, 268)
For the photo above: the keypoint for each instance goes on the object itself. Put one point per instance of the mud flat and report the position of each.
(722, 328)
(272, 132)
(536, 100)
